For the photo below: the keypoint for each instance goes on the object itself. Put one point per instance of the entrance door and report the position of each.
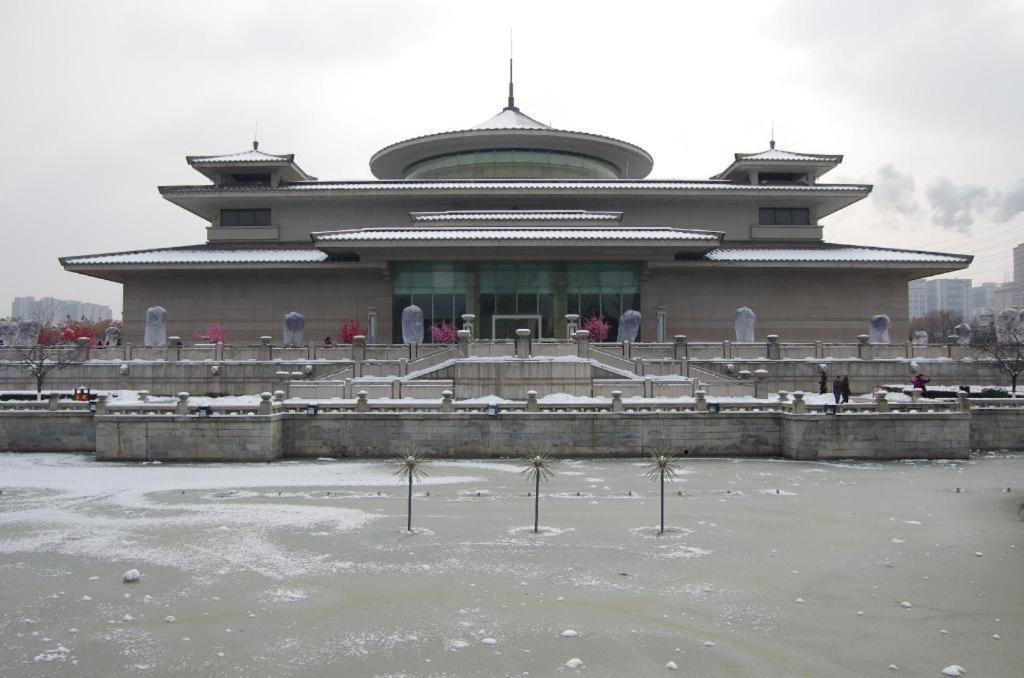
(505, 326)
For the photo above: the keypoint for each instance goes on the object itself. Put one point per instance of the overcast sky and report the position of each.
(102, 101)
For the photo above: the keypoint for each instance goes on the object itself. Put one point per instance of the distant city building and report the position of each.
(918, 291)
(53, 310)
(1018, 264)
(981, 298)
(951, 295)
(1008, 295)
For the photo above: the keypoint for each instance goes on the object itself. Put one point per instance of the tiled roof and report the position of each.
(786, 156)
(839, 253)
(520, 185)
(251, 155)
(541, 233)
(517, 215)
(203, 255)
(511, 118)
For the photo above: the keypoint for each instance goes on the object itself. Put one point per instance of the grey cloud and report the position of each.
(895, 190)
(957, 206)
(1010, 203)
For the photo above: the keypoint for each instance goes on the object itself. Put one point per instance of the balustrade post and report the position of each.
(531, 401)
(181, 407)
(799, 406)
(582, 338)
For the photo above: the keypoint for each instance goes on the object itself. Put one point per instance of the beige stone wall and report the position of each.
(253, 303)
(796, 304)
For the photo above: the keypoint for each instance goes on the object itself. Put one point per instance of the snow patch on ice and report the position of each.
(574, 663)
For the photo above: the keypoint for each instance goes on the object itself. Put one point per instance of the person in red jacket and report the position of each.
(919, 381)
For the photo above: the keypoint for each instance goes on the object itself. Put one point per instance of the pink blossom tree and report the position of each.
(443, 332)
(597, 326)
(216, 333)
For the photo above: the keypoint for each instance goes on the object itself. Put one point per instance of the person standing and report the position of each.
(822, 383)
(844, 388)
(837, 388)
(919, 381)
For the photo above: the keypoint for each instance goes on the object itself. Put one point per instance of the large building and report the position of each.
(518, 223)
(50, 310)
(1018, 264)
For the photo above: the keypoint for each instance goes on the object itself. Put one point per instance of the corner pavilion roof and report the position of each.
(252, 155)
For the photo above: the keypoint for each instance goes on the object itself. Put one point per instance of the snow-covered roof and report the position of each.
(774, 154)
(511, 118)
(525, 234)
(838, 253)
(252, 155)
(523, 185)
(203, 255)
(516, 215)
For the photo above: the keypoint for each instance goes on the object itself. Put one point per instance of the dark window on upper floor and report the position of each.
(784, 216)
(251, 178)
(258, 217)
(765, 178)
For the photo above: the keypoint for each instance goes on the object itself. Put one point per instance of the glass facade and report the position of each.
(507, 295)
(511, 164)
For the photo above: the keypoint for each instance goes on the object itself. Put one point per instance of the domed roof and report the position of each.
(513, 130)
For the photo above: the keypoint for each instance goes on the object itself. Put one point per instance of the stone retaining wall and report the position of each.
(183, 438)
(44, 431)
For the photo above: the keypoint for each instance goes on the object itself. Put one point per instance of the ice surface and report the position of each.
(293, 329)
(156, 326)
(878, 329)
(629, 326)
(412, 325)
(745, 320)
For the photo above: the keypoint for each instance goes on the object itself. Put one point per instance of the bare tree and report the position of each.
(40, 360)
(1005, 347)
(938, 324)
(409, 462)
(661, 465)
(538, 465)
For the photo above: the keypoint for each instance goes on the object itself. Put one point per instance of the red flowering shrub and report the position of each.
(48, 336)
(69, 331)
(443, 332)
(215, 332)
(597, 326)
(350, 329)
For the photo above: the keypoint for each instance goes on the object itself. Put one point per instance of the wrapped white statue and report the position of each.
(919, 338)
(8, 332)
(293, 329)
(745, 320)
(412, 325)
(28, 333)
(963, 334)
(878, 330)
(112, 336)
(156, 326)
(629, 326)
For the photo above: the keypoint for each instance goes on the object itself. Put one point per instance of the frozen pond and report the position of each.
(771, 568)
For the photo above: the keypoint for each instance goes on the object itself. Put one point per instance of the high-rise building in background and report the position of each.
(50, 310)
(951, 295)
(1018, 264)
(918, 292)
(981, 298)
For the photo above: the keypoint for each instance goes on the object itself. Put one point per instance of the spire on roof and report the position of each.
(511, 97)
(771, 143)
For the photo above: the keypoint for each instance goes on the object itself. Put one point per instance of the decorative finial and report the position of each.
(771, 143)
(511, 96)
(256, 136)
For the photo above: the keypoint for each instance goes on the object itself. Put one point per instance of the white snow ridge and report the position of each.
(569, 633)
(577, 663)
(131, 576)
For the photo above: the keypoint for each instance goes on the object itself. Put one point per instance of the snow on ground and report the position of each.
(302, 568)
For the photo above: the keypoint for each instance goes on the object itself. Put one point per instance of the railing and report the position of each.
(448, 406)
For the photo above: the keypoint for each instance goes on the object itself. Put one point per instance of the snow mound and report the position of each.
(893, 667)
(458, 645)
(169, 619)
(569, 633)
(577, 663)
(131, 576)
(60, 653)
(708, 643)
(489, 641)
(672, 666)
(284, 595)
(978, 554)
(906, 605)
(954, 670)
(800, 600)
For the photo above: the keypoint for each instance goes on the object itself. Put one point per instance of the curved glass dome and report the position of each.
(511, 145)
